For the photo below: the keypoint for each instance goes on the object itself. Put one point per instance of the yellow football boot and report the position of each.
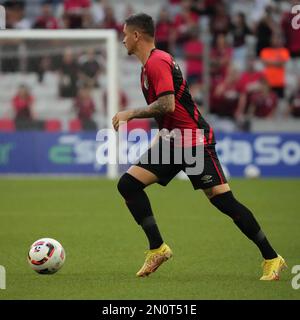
(154, 258)
(272, 268)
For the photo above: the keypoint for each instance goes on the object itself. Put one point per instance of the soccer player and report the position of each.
(170, 103)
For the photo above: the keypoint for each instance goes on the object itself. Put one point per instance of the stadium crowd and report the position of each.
(253, 53)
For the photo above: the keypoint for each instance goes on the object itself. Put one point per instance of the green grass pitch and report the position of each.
(105, 248)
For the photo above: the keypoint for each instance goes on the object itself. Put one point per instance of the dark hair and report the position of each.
(14, 4)
(142, 21)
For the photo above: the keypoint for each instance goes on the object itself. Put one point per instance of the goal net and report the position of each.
(61, 69)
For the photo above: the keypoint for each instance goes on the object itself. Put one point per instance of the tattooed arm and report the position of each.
(158, 108)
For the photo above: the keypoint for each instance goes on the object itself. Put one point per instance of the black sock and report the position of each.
(245, 221)
(264, 246)
(139, 205)
(152, 232)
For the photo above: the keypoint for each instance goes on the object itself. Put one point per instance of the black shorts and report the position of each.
(211, 175)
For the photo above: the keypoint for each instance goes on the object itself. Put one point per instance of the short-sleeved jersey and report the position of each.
(161, 76)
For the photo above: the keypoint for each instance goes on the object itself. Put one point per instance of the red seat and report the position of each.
(53, 125)
(138, 124)
(75, 125)
(7, 125)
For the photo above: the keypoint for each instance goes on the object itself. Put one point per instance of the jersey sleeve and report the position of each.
(160, 77)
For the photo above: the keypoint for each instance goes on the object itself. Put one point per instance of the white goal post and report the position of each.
(112, 65)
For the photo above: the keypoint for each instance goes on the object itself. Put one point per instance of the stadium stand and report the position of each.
(53, 125)
(7, 125)
(238, 29)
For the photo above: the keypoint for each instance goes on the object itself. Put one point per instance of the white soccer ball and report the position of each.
(46, 256)
(252, 171)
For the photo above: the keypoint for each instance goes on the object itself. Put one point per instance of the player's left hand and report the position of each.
(120, 118)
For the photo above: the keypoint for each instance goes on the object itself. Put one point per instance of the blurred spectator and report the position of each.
(75, 13)
(46, 20)
(264, 30)
(163, 30)
(176, 33)
(110, 21)
(85, 108)
(44, 65)
(68, 75)
(183, 23)
(294, 102)
(225, 96)
(65, 21)
(291, 35)
(239, 31)
(193, 50)
(249, 82)
(220, 21)
(15, 15)
(263, 103)
(22, 104)
(274, 59)
(204, 7)
(90, 70)
(221, 55)
(56, 7)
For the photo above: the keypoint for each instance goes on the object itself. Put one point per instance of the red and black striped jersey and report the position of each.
(161, 76)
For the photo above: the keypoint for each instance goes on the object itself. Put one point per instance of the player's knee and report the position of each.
(123, 184)
(129, 185)
(227, 203)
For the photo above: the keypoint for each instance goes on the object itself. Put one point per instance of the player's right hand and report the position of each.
(121, 118)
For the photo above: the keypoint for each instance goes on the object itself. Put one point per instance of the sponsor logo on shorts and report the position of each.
(207, 178)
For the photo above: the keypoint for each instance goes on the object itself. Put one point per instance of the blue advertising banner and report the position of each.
(271, 155)
(274, 155)
(39, 152)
